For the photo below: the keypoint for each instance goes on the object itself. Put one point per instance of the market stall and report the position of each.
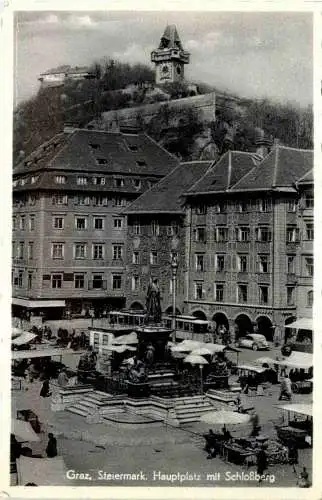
(297, 424)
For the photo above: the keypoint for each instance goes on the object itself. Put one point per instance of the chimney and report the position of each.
(263, 143)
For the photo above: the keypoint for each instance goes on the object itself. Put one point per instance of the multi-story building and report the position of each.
(68, 245)
(156, 233)
(249, 244)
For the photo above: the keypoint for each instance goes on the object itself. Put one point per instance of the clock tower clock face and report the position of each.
(165, 72)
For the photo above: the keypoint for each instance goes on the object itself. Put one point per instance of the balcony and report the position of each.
(97, 285)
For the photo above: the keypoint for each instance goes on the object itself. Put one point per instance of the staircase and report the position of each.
(97, 402)
(190, 409)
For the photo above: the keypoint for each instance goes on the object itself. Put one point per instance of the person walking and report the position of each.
(293, 454)
(261, 463)
(45, 391)
(51, 449)
(286, 389)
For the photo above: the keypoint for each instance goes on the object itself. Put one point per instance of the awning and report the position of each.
(41, 471)
(42, 353)
(298, 360)
(251, 368)
(32, 304)
(24, 338)
(301, 409)
(131, 338)
(23, 431)
(301, 324)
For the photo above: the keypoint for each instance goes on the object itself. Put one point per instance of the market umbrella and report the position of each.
(224, 417)
(202, 351)
(215, 347)
(24, 338)
(120, 348)
(130, 338)
(196, 359)
(194, 344)
(23, 431)
(181, 348)
(265, 360)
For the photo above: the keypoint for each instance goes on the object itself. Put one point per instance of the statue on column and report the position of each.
(153, 302)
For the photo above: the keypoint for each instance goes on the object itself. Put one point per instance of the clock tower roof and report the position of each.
(170, 38)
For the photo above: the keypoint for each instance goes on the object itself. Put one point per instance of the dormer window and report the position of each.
(101, 161)
(60, 179)
(133, 147)
(141, 163)
(81, 181)
(94, 145)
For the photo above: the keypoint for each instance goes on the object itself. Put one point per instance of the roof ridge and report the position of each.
(276, 164)
(161, 147)
(212, 165)
(69, 138)
(229, 169)
(282, 146)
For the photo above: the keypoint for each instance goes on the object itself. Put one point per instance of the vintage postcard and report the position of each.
(159, 274)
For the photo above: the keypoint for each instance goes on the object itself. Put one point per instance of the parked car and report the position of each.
(253, 341)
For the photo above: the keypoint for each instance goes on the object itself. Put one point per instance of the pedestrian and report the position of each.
(255, 424)
(293, 454)
(303, 479)
(45, 392)
(261, 463)
(286, 389)
(51, 449)
(62, 379)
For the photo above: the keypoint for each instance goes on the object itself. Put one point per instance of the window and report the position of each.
(137, 228)
(242, 293)
(291, 205)
(117, 252)
(172, 230)
(220, 207)
(242, 233)
(135, 283)
(263, 294)
(200, 262)
(201, 210)
(22, 223)
(97, 281)
(30, 250)
(153, 257)
(79, 280)
(242, 206)
(34, 179)
(265, 205)
(57, 250)
(98, 223)
(100, 181)
(100, 201)
(31, 199)
(118, 223)
(14, 223)
(221, 234)
(291, 234)
(309, 266)
(119, 182)
(263, 264)
(309, 231)
(60, 179)
(60, 199)
(201, 234)
(220, 263)
(80, 250)
(31, 222)
(155, 228)
(135, 258)
(198, 291)
(20, 279)
(170, 286)
(137, 183)
(82, 200)
(81, 181)
(219, 292)
(242, 263)
(58, 222)
(98, 251)
(29, 283)
(263, 234)
(80, 223)
(13, 249)
(116, 282)
(309, 200)
(119, 202)
(21, 250)
(309, 300)
(56, 280)
(290, 263)
(290, 291)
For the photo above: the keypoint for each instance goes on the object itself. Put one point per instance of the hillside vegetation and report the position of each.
(39, 118)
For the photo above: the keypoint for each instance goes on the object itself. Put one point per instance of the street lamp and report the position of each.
(174, 268)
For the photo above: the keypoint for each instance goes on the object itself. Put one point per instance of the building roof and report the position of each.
(223, 174)
(279, 170)
(171, 36)
(167, 195)
(66, 70)
(307, 178)
(90, 151)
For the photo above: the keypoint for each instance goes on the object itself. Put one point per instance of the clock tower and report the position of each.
(169, 57)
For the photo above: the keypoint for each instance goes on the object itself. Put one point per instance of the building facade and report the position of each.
(68, 245)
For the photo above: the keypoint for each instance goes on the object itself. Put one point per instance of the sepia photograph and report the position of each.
(162, 249)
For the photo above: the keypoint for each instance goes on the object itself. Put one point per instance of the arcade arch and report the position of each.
(244, 325)
(265, 327)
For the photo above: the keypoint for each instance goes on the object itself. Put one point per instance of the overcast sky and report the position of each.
(250, 54)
